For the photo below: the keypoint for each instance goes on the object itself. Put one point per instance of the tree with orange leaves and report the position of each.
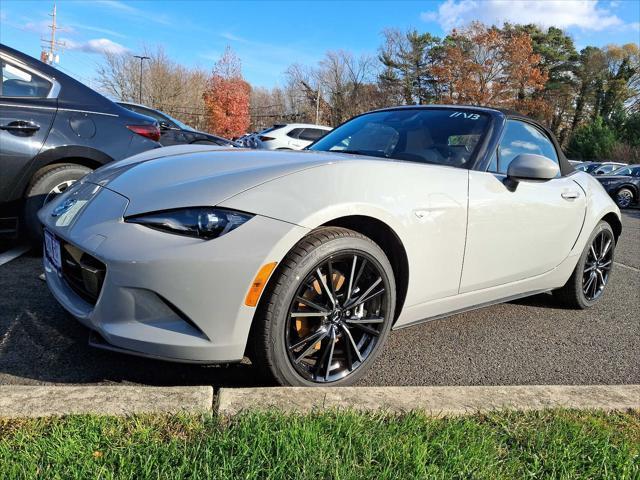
(227, 97)
(485, 66)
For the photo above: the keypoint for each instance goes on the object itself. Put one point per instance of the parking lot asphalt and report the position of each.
(530, 341)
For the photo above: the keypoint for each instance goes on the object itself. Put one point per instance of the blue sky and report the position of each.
(269, 36)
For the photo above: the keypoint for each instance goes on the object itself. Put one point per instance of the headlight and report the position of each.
(200, 222)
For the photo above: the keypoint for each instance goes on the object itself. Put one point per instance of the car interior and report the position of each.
(416, 138)
(19, 83)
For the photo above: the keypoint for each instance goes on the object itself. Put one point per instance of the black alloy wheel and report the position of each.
(598, 263)
(592, 272)
(336, 317)
(326, 311)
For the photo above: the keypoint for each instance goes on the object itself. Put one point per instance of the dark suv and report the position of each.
(623, 185)
(53, 131)
(174, 132)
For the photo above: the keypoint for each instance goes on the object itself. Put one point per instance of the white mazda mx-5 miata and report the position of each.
(304, 261)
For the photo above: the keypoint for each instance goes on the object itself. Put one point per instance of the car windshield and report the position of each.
(438, 136)
(183, 126)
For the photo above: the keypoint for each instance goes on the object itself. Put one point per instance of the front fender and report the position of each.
(313, 197)
(425, 206)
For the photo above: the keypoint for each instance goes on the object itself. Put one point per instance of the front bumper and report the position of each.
(166, 296)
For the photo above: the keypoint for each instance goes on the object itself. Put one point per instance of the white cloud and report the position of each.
(117, 5)
(129, 10)
(584, 14)
(96, 45)
(233, 38)
(104, 31)
(429, 16)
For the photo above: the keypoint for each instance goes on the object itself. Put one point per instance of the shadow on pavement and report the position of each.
(41, 343)
(632, 212)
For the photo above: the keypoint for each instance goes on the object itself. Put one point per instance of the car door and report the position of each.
(517, 232)
(27, 109)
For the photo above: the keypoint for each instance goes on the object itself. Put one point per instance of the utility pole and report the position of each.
(50, 47)
(142, 58)
(318, 107)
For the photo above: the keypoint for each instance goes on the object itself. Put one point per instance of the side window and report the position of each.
(606, 169)
(520, 137)
(295, 132)
(17, 82)
(311, 134)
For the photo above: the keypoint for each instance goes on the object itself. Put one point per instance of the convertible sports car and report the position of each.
(304, 261)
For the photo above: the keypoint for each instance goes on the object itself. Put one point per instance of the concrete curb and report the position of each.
(43, 401)
(437, 401)
(28, 401)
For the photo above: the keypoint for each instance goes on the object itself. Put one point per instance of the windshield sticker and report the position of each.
(468, 116)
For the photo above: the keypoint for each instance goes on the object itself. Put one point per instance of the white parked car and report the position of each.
(305, 261)
(291, 136)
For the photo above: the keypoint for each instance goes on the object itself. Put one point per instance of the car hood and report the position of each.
(187, 177)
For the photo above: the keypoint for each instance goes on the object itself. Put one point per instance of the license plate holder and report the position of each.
(52, 250)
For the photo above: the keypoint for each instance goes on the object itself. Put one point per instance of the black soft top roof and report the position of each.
(565, 167)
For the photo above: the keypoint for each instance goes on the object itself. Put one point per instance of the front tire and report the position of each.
(310, 331)
(624, 197)
(588, 281)
(45, 185)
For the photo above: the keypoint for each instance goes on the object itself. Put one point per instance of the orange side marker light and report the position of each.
(258, 284)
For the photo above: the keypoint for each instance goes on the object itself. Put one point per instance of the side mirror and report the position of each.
(165, 126)
(528, 166)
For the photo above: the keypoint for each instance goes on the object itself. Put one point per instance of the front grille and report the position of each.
(82, 272)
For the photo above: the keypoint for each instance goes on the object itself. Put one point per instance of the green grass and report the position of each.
(550, 444)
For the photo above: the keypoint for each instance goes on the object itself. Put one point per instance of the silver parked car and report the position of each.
(306, 260)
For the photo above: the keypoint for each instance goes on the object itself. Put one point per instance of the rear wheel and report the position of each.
(328, 311)
(624, 197)
(591, 275)
(46, 184)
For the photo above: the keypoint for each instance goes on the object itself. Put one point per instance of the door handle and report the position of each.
(21, 127)
(570, 195)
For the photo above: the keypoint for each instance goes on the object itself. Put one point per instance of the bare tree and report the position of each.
(339, 87)
(166, 85)
(268, 106)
